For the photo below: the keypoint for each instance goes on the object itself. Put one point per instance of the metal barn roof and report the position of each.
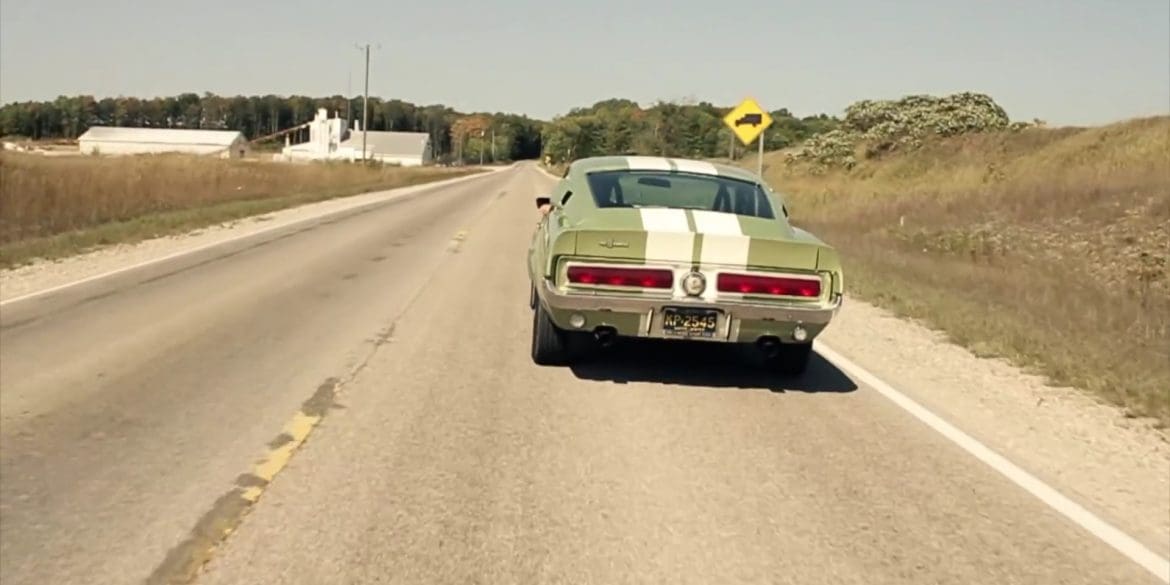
(162, 135)
(390, 143)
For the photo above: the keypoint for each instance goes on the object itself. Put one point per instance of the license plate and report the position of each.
(686, 322)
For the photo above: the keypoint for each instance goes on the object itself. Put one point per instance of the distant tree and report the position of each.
(694, 129)
(610, 126)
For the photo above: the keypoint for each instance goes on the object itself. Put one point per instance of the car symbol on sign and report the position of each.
(752, 119)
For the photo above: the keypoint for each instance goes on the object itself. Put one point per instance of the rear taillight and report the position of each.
(602, 275)
(769, 285)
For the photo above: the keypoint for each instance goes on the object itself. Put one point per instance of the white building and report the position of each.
(325, 135)
(329, 139)
(408, 149)
(115, 141)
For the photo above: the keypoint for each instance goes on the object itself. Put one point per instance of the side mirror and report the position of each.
(543, 200)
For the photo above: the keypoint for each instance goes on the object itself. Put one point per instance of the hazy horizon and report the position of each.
(1082, 63)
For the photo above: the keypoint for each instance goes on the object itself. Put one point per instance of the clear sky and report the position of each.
(1064, 61)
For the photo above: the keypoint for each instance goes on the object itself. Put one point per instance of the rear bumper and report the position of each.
(641, 316)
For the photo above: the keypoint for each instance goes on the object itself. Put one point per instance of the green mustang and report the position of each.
(671, 248)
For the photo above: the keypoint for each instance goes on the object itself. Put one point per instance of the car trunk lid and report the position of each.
(693, 237)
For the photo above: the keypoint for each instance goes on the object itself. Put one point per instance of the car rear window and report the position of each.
(622, 188)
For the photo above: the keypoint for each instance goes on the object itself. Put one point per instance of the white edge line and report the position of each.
(1107, 533)
(392, 194)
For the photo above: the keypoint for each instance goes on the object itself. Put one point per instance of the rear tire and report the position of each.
(791, 359)
(548, 341)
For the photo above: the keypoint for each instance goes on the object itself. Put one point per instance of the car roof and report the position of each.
(669, 164)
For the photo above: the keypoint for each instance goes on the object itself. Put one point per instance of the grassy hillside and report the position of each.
(56, 206)
(1049, 247)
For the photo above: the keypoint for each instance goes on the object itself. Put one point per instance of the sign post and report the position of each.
(749, 121)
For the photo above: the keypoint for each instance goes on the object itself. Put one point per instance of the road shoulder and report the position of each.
(1117, 467)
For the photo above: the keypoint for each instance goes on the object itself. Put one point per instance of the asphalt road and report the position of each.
(136, 409)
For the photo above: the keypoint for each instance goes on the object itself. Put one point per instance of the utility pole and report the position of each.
(366, 105)
(366, 98)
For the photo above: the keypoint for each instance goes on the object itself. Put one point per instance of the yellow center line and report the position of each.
(186, 560)
(297, 430)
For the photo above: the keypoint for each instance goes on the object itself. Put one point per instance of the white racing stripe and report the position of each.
(668, 238)
(1107, 533)
(665, 220)
(711, 222)
(668, 235)
(725, 250)
(694, 166)
(648, 163)
(723, 243)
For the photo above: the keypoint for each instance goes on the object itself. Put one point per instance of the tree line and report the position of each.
(619, 126)
(615, 126)
(67, 117)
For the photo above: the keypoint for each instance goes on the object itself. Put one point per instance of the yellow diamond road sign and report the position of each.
(747, 120)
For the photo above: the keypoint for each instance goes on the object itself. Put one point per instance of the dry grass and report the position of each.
(1046, 247)
(56, 206)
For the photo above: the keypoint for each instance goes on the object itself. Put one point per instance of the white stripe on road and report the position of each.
(1107, 533)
